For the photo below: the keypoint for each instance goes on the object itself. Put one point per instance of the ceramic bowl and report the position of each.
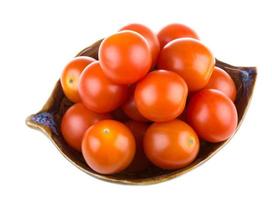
(49, 117)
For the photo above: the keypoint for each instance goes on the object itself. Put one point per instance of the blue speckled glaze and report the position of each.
(246, 79)
(245, 76)
(46, 119)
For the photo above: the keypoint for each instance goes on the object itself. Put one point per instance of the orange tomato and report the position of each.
(108, 147)
(150, 37)
(76, 120)
(171, 145)
(221, 80)
(212, 115)
(190, 59)
(175, 31)
(70, 76)
(161, 95)
(125, 57)
(97, 92)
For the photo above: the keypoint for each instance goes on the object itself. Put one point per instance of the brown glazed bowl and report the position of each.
(49, 117)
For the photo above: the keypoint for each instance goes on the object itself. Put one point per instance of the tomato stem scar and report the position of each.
(106, 131)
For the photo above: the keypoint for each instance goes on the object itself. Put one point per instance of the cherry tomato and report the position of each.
(97, 92)
(140, 161)
(175, 31)
(221, 80)
(171, 145)
(161, 95)
(130, 109)
(76, 120)
(70, 76)
(150, 37)
(212, 115)
(190, 59)
(125, 57)
(108, 147)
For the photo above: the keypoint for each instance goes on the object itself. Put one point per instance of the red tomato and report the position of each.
(150, 37)
(70, 76)
(140, 161)
(97, 92)
(175, 31)
(171, 145)
(130, 108)
(161, 95)
(212, 115)
(190, 59)
(125, 57)
(76, 120)
(221, 80)
(108, 147)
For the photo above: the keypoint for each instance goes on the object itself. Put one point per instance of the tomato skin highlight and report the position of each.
(98, 93)
(212, 115)
(125, 57)
(221, 80)
(75, 121)
(175, 31)
(171, 145)
(192, 60)
(150, 100)
(108, 147)
(70, 76)
(150, 37)
(161, 95)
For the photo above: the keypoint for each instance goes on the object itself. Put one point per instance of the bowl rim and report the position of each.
(141, 181)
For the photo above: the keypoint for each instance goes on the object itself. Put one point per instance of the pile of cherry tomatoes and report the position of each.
(148, 100)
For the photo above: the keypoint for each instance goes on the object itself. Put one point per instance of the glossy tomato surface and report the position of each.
(161, 95)
(76, 120)
(221, 80)
(70, 76)
(175, 31)
(212, 115)
(97, 92)
(140, 161)
(125, 57)
(190, 59)
(150, 37)
(171, 145)
(108, 147)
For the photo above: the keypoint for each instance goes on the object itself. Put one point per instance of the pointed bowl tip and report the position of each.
(49, 117)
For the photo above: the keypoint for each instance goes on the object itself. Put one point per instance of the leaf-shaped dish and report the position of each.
(49, 117)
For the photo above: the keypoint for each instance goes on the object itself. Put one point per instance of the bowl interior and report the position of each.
(49, 118)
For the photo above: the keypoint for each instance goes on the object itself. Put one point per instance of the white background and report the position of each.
(37, 38)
